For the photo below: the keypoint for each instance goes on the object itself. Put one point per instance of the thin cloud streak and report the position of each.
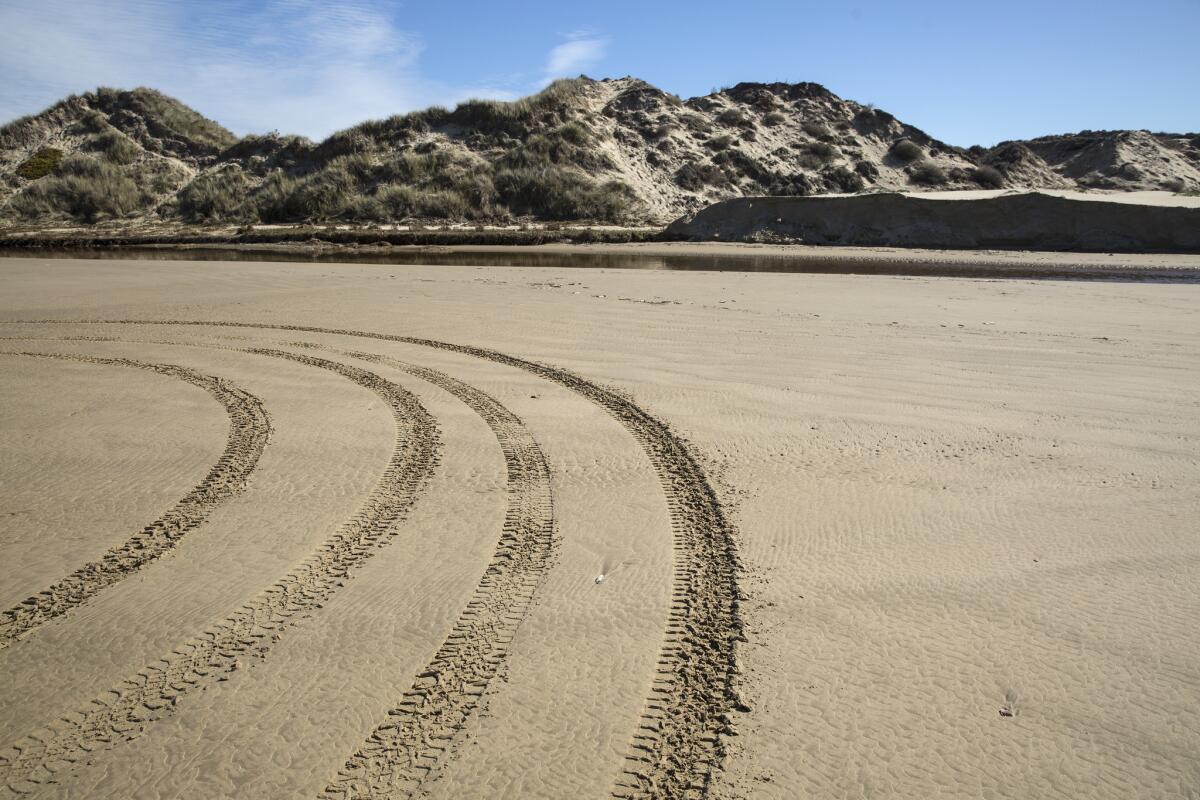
(581, 51)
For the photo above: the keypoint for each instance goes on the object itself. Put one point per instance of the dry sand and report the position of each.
(965, 513)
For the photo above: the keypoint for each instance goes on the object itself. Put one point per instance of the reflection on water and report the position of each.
(740, 262)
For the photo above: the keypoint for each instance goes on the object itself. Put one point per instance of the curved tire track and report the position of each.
(122, 713)
(678, 745)
(411, 744)
(249, 431)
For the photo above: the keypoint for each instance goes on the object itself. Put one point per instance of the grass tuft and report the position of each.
(115, 146)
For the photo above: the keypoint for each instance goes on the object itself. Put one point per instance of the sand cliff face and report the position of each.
(1032, 221)
(616, 149)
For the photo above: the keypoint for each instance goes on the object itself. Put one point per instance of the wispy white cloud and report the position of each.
(302, 66)
(581, 51)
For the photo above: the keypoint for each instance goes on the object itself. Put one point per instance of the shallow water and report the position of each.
(609, 260)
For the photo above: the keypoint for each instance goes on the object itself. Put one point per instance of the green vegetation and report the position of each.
(40, 164)
(542, 176)
(326, 194)
(774, 118)
(563, 193)
(83, 189)
(221, 196)
(398, 202)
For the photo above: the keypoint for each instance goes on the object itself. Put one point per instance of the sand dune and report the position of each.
(858, 536)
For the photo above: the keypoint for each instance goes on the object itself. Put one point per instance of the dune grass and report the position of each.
(83, 189)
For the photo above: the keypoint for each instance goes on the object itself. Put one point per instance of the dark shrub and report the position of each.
(663, 130)
(927, 173)
(723, 142)
(907, 151)
(841, 179)
(987, 176)
(798, 185)
(731, 116)
(695, 177)
(695, 123)
(774, 118)
(809, 161)
(820, 152)
(815, 129)
(867, 170)
(742, 164)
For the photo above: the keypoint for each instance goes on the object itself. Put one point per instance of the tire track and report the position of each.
(398, 756)
(677, 746)
(249, 431)
(123, 713)
(410, 746)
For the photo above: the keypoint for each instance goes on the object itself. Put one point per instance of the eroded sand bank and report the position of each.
(965, 513)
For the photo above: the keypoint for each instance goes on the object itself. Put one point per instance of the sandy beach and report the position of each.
(450, 531)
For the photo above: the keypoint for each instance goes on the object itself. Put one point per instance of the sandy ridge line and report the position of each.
(122, 713)
(677, 747)
(249, 431)
(412, 744)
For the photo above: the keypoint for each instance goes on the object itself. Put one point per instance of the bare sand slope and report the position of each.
(965, 514)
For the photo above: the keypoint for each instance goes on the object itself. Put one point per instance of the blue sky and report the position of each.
(966, 72)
